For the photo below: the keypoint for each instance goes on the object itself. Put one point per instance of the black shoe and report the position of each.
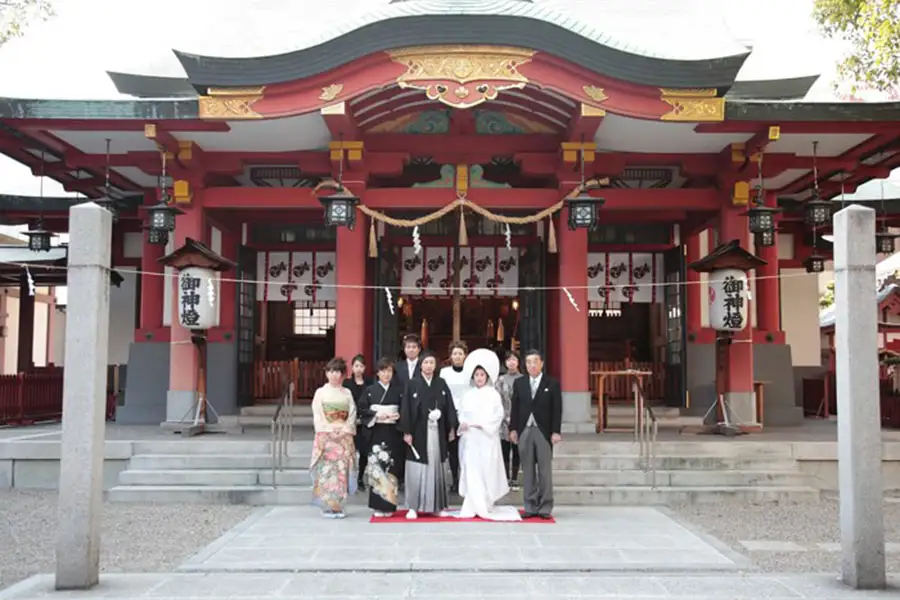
(545, 517)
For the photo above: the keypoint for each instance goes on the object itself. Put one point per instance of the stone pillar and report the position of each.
(84, 399)
(738, 368)
(573, 327)
(859, 425)
(25, 360)
(350, 270)
(767, 290)
(153, 286)
(183, 359)
(694, 293)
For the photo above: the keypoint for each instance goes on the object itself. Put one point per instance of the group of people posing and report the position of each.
(412, 420)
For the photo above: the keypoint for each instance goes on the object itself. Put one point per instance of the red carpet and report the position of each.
(400, 517)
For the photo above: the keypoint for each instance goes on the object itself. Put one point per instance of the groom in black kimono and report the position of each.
(535, 421)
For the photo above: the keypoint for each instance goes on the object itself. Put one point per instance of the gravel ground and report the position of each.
(136, 537)
(803, 524)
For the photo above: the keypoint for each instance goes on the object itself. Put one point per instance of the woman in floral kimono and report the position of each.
(379, 412)
(333, 455)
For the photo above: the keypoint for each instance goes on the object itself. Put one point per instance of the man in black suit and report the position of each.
(412, 366)
(535, 421)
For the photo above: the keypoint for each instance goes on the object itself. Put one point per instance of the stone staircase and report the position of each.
(586, 472)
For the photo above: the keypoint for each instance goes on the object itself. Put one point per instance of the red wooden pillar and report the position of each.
(350, 325)
(694, 291)
(25, 360)
(183, 359)
(768, 288)
(153, 285)
(738, 356)
(573, 326)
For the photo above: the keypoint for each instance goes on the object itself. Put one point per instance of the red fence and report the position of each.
(270, 376)
(29, 397)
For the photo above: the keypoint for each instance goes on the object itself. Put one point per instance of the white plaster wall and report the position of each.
(800, 316)
(58, 350)
(704, 280)
(11, 353)
(39, 348)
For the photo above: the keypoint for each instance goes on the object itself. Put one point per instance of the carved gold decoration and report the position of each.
(330, 92)
(230, 103)
(595, 93)
(774, 133)
(462, 179)
(690, 92)
(694, 109)
(591, 111)
(693, 105)
(462, 76)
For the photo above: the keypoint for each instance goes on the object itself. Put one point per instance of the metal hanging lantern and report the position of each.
(583, 211)
(764, 239)
(39, 239)
(814, 264)
(816, 212)
(884, 242)
(762, 219)
(340, 209)
(162, 216)
(157, 237)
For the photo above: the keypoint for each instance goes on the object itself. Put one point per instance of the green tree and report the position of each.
(827, 298)
(16, 14)
(872, 29)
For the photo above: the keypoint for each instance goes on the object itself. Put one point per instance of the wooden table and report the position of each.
(601, 377)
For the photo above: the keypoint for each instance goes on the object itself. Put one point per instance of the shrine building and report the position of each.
(569, 172)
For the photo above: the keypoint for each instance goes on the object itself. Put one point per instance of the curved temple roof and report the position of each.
(653, 42)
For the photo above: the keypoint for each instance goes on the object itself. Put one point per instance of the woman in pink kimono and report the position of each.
(333, 456)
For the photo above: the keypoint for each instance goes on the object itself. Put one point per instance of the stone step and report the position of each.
(257, 421)
(563, 495)
(252, 495)
(213, 462)
(602, 445)
(679, 479)
(268, 410)
(220, 478)
(637, 495)
(665, 463)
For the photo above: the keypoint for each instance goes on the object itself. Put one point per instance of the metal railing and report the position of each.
(646, 430)
(282, 431)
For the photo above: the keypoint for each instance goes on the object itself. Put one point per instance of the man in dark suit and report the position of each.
(412, 366)
(535, 422)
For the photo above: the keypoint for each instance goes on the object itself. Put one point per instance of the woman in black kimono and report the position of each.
(357, 383)
(428, 423)
(380, 411)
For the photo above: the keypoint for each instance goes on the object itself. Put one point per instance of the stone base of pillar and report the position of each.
(181, 407)
(741, 408)
(576, 413)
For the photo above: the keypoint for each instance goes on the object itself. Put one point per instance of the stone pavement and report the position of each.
(605, 552)
(583, 538)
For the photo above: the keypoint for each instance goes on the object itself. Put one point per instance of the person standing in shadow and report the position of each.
(535, 423)
(357, 384)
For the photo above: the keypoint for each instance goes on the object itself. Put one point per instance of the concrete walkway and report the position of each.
(608, 552)
(582, 539)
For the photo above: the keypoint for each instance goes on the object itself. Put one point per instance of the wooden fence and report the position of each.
(271, 375)
(619, 388)
(30, 397)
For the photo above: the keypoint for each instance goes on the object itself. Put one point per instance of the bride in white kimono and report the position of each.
(482, 478)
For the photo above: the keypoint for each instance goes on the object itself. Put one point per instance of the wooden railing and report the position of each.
(270, 377)
(26, 398)
(618, 388)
